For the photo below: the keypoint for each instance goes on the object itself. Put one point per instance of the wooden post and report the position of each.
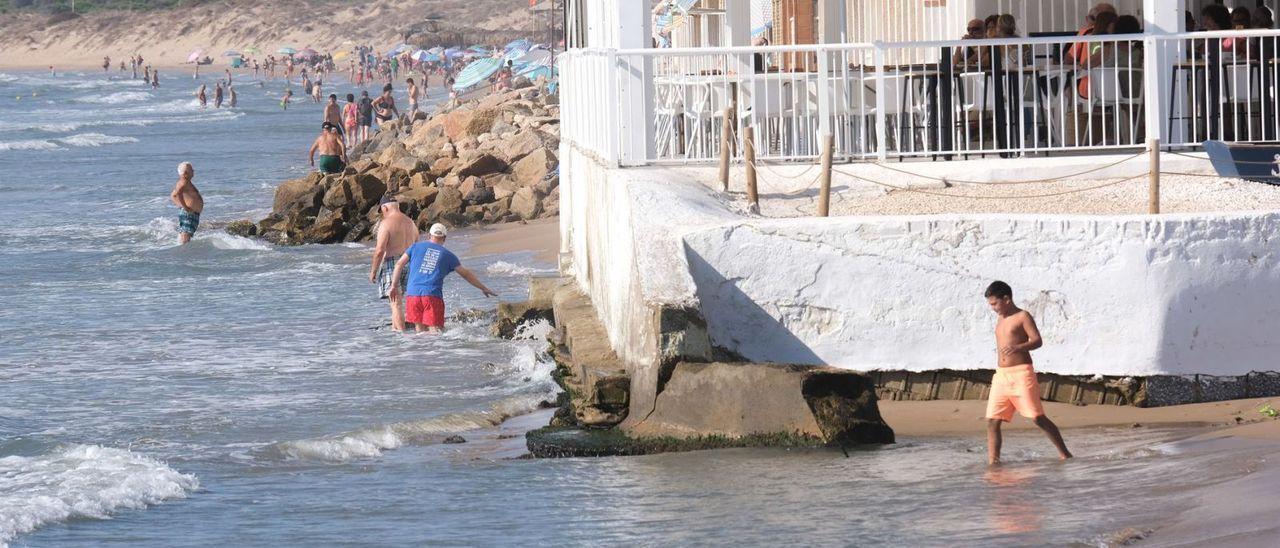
(1153, 189)
(726, 128)
(749, 150)
(824, 198)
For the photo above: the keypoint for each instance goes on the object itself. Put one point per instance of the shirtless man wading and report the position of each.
(186, 196)
(396, 233)
(1014, 386)
(333, 154)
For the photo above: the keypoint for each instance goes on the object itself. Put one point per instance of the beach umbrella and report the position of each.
(286, 51)
(231, 53)
(308, 52)
(422, 56)
(341, 55)
(436, 50)
(398, 49)
(195, 55)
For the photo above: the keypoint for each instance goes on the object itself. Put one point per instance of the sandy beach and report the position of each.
(36, 40)
(541, 236)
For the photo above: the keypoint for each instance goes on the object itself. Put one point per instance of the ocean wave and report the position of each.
(79, 140)
(30, 144)
(81, 481)
(504, 268)
(94, 140)
(528, 371)
(372, 441)
(119, 97)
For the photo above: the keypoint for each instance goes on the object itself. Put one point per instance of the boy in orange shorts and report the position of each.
(1014, 387)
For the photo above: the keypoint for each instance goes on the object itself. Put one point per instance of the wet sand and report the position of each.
(1238, 512)
(541, 236)
(951, 418)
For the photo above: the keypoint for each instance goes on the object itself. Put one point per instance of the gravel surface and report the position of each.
(793, 192)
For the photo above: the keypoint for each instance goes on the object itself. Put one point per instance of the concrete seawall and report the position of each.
(1168, 297)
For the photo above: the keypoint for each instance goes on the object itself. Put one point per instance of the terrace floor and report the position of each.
(792, 190)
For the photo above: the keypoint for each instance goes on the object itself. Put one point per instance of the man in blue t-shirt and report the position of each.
(428, 264)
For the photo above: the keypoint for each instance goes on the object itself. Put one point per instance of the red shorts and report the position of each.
(425, 310)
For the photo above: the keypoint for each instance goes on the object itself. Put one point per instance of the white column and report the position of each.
(633, 28)
(831, 19)
(737, 31)
(1161, 17)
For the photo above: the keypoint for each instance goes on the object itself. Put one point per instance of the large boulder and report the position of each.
(365, 190)
(242, 228)
(532, 169)
(290, 191)
(415, 199)
(503, 186)
(443, 164)
(447, 207)
(551, 204)
(521, 145)
(328, 228)
(481, 122)
(526, 203)
(482, 164)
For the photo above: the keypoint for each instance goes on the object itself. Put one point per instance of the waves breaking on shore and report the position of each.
(81, 481)
(529, 367)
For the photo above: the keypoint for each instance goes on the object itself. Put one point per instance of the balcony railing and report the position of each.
(923, 100)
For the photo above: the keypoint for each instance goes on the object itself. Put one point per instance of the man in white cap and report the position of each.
(396, 233)
(428, 264)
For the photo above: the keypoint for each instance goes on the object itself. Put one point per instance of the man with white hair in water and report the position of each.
(428, 264)
(185, 195)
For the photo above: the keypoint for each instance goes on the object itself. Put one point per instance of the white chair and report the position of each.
(976, 99)
(1119, 90)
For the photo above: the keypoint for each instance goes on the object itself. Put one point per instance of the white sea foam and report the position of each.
(30, 144)
(529, 367)
(81, 481)
(78, 140)
(504, 268)
(117, 98)
(372, 441)
(94, 140)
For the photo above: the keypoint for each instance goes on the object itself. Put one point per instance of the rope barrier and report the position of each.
(1024, 197)
(1007, 183)
(1185, 155)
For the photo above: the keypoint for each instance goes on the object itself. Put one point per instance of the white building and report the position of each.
(649, 89)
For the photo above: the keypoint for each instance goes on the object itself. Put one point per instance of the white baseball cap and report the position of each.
(438, 230)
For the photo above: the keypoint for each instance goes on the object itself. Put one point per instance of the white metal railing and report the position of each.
(1003, 97)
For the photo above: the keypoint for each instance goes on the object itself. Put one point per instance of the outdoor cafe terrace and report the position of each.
(934, 99)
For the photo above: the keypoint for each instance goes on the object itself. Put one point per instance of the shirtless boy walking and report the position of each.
(1014, 386)
(186, 196)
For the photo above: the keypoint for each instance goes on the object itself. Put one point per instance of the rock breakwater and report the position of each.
(490, 160)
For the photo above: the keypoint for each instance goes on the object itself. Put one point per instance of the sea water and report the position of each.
(237, 393)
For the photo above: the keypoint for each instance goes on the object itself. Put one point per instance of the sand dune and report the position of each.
(166, 37)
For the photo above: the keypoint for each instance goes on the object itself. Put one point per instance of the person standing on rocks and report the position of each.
(413, 98)
(350, 115)
(333, 114)
(396, 233)
(366, 115)
(428, 263)
(385, 105)
(185, 195)
(1015, 386)
(333, 155)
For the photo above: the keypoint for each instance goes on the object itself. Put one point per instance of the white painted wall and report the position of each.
(1177, 294)
(1113, 296)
